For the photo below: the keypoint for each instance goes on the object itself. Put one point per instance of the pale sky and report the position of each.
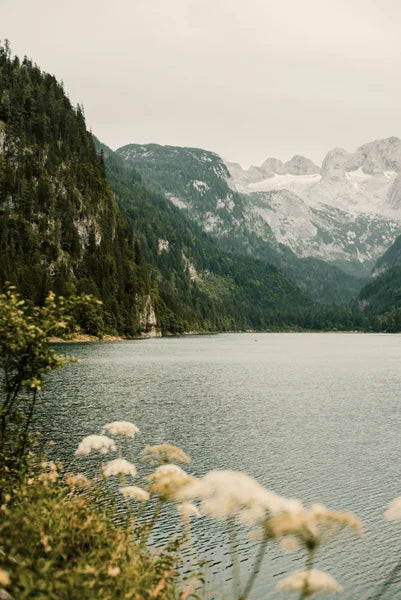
(247, 79)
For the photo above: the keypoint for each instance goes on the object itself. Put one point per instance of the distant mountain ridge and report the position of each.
(343, 213)
(350, 206)
(199, 183)
(61, 229)
(199, 286)
(167, 240)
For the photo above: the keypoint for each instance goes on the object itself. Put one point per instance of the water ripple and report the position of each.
(314, 416)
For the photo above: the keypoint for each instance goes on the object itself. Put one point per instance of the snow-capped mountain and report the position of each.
(292, 214)
(347, 212)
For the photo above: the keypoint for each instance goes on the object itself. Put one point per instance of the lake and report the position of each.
(312, 416)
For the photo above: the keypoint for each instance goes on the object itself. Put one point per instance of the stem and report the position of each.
(234, 555)
(309, 565)
(27, 424)
(127, 502)
(12, 393)
(256, 568)
(137, 516)
(148, 529)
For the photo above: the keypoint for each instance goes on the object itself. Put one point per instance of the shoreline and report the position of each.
(86, 338)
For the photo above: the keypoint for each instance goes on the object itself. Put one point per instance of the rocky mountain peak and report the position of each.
(300, 165)
(273, 166)
(381, 155)
(338, 161)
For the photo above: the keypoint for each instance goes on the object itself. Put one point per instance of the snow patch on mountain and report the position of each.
(366, 181)
(348, 211)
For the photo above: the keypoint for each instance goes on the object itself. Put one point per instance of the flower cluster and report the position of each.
(167, 480)
(309, 582)
(119, 466)
(393, 513)
(188, 509)
(98, 443)
(135, 493)
(225, 494)
(50, 472)
(77, 482)
(164, 454)
(121, 428)
(312, 527)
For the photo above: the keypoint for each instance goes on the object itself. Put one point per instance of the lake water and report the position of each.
(312, 416)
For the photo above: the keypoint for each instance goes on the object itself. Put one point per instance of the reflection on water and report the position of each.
(314, 416)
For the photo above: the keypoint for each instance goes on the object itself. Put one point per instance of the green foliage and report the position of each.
(58, 543)
(391, 258)
(25, 358)
(197, 286)
(200, 182)
(60, 229)
(383, 293)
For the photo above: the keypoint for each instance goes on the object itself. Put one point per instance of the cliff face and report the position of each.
(147, 318)
(59, 225)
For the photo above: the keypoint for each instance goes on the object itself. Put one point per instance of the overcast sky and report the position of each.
(245, 78)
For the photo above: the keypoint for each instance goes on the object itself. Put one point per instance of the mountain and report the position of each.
(199, 183)
(380, 300)
(391, 258)
(347, 212)
(62, 230)
(163, 235)
(199, 286)
(381, 295)
(59, 224)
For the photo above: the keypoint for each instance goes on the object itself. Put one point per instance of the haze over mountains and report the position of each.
(294, 214)
(175, 239)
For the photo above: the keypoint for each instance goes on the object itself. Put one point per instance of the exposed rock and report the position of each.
(147, 318)
(163, 245)
(394, 194)
(2, 135)
(300, 165)
(193, 273)
(255, 174)
(273, 166)
(381, 155)
(338, 161)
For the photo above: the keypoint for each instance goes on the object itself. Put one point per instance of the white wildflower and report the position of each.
(393, 513)
(49, 465)
(311, 582)
(135, 493)
(164, 453)
(99, 443)
(121, 428)
(188, 509)
(50, 472)
(170, 469)
(167, 480)
(225, 493)
(313, 526)
(119, 466)
(78, 481)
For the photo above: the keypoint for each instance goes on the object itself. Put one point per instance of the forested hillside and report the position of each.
(60, 229)
(59, 225)
(76, 217)
(199, 183)
(197, 285)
